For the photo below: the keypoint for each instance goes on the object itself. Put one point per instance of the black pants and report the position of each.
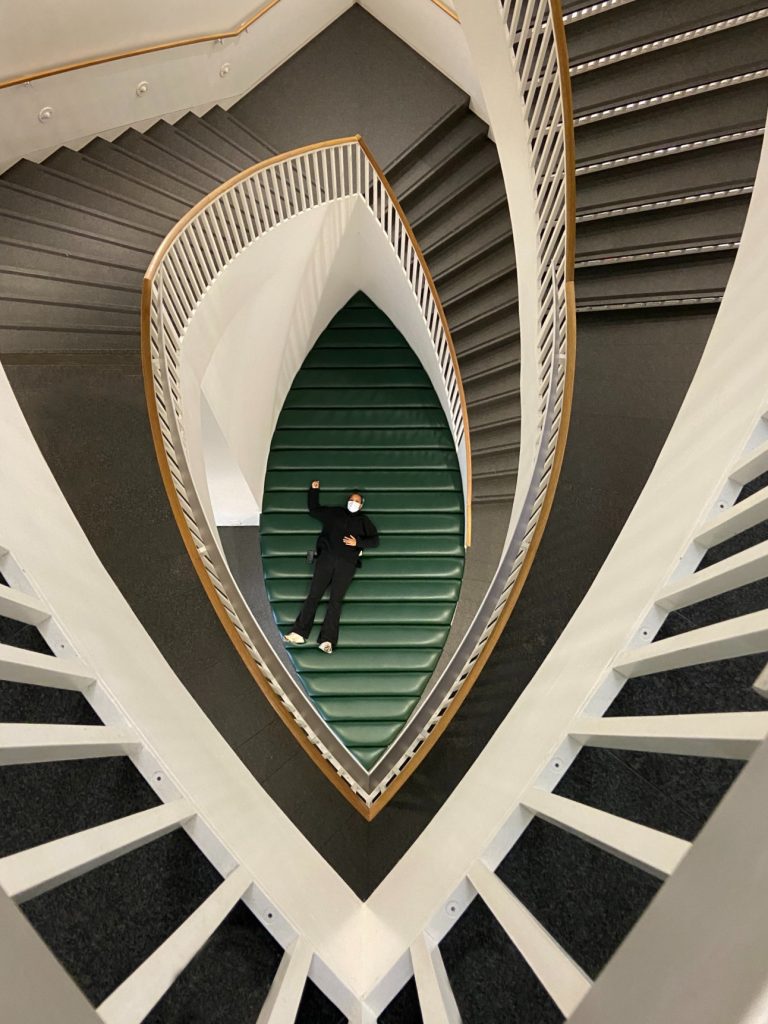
(337, 574)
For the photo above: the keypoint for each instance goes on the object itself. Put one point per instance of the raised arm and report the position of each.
(315, 509)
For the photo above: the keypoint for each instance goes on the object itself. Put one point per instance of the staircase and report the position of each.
(666, 144)
(362, 413)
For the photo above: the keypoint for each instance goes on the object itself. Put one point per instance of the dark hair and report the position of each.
(356, 490)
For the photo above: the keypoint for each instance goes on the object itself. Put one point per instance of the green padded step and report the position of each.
(386, 522)
(367, 756)
(398, 545)
(340, 458)
(287, 589)
(321, 358)
(358, 613)
(306, 419)
(362, 413)
(367, 734)
(360, 316)
(375, 568)
(358, 377)
(377, 709)
(360, 338)
(395, 501)
(388, 635)
(380, 480)
(358, 438)
(345, 659)
(369, 684)
(365, 398)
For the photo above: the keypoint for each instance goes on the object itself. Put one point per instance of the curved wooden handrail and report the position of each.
(570, 327)
(170, 487)
(141, 51)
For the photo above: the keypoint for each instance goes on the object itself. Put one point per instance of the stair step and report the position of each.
(687, 276)
(163, 205)
(478, 172)
(141, 170)
(204, 134)
(459, 142)
(50, 182)
(483, 300)
(197, 155)
(28, 230)
(229, 127)
(53, 262)
(451, 229)
(479, 240)
(421, 145)
(665, 228)
(705, 59)
(42, 286)
(486, 386)
(699, 171)
(635, 24)
(741, 106)
(483, 271)
(54, 312)
(41, 208)
(175, 168)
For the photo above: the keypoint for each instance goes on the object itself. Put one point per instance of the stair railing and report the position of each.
(195, 252)
(536, 41)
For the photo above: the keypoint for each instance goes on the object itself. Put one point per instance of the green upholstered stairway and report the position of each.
(362, 413)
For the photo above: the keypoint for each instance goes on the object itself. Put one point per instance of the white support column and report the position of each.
(21, 607)
(751, 465)
(132, 1001)
(436, 998)
(282, 1002)
(31, 744)
(747, 634)
(35, 871)
(735, 735)
(645, 848)
(737, 571)
(563, 979)
(20, 666)
(733, 520)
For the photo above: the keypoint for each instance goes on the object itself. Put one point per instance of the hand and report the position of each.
(315, 485)
(350, 541)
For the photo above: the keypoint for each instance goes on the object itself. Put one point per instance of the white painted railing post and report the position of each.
(282, 1002)
(563, 979)
(436, 998)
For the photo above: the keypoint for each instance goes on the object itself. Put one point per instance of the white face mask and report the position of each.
(354, 506)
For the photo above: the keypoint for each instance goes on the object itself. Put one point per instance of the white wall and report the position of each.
(254, 328)
(102, 100)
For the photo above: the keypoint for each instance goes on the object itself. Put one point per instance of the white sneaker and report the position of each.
(327, 647)
(294, 638)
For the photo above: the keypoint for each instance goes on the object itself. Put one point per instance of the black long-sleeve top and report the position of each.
(337, 522)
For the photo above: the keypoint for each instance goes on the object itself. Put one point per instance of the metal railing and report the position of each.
(195, 252)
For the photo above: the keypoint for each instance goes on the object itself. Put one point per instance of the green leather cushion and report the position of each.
(361, 589)
(374, 568)
(386, 523)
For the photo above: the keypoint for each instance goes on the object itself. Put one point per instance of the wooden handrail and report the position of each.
(140, 51)
(149, 390)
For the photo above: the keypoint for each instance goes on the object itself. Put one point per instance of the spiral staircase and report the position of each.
(669, 113)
